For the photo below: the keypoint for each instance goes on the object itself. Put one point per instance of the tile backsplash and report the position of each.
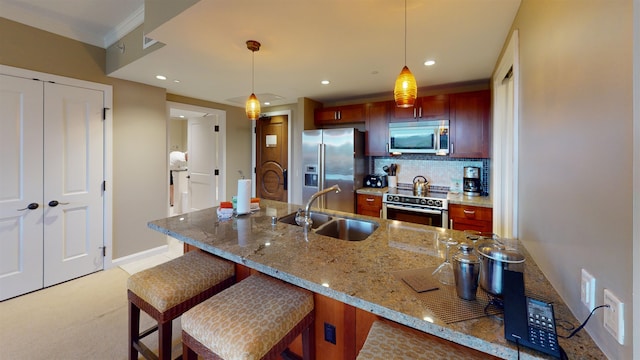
(443, 173)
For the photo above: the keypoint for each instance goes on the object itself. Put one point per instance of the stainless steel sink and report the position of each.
(318, 219)
(336, 227)
(348, 229)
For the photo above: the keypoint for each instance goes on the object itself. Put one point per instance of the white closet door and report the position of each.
(73, 176)
(21, 231)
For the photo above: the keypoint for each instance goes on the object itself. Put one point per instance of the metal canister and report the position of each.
(466, 269)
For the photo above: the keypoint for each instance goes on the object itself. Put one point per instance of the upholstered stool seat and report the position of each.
(257, 318)
(387, 340)
(167, 290)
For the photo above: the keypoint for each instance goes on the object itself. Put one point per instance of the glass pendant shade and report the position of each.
(406, 89)
(252, 107)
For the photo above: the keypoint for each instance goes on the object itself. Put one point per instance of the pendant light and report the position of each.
(406, 89)
(252, 107)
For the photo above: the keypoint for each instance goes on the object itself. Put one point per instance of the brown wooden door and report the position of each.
(271, 157)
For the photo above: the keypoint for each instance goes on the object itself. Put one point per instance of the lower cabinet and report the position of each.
(464, 217)
(370, 205)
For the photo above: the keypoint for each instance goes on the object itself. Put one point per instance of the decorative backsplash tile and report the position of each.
(443, 173)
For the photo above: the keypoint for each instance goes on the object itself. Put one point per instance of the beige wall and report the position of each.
(575, 179)
(140, 171)
(178, 134)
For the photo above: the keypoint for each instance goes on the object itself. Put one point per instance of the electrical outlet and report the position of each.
(614, 316)
(330, 333)
(588, 290)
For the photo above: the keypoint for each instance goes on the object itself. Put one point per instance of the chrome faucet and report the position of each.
(307, 222)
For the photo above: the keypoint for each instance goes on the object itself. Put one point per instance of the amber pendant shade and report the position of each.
(252, 107)
(406, 89)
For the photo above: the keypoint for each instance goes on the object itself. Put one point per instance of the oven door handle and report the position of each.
(424, 211)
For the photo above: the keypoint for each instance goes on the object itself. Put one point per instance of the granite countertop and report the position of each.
(372, 191)
(362, 273)
(461, 199)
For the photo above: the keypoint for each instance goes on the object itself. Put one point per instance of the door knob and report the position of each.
(54, 203)
(31, 206)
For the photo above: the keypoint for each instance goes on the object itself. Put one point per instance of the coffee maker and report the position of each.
(471, 182)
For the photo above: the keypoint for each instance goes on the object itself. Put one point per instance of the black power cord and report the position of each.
(584, 323)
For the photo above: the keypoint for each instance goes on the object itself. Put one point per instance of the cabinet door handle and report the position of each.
(451, 147)
(415, 115)
(54, 203)
(420, 112)
(370, 199)
(451, 224)
(31, 206)
(469, 212)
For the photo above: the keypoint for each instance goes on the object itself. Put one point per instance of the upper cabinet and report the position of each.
(469, 124)
(376, 136)
(468, 114)
(425, 108)
(339, 115)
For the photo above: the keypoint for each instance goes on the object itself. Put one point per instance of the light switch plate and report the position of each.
(588, 290)
(614, 316)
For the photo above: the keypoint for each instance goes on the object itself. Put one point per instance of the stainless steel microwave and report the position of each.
(423, 137)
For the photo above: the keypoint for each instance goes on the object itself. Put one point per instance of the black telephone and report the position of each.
(528, 322)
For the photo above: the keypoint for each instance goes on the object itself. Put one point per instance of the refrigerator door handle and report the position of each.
(321, 200)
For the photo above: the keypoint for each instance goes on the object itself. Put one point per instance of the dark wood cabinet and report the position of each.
(465, 217)
(368, 204)
(434, 107)
(469, 124)
(377, 128)
(339, 115)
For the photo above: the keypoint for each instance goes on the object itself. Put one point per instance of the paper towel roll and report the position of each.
(244, 196)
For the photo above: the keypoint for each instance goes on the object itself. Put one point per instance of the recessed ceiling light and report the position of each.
(181, 116)
(267, 103)
(429, 63)
(161, 77)
(176, 81)
(325, 82)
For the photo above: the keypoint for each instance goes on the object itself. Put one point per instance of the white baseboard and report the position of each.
(138, 256)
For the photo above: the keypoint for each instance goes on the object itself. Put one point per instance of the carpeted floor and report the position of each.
(85, 318)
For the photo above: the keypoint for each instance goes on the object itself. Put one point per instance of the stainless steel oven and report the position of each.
(428, 209)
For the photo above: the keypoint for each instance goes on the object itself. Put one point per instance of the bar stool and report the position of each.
(167, 290)
(391, 341)
(257, 318)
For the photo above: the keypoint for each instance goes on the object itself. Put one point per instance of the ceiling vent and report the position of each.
(147, 41)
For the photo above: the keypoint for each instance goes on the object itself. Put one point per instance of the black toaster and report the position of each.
(375, 181)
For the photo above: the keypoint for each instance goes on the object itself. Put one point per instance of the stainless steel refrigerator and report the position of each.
(329, 157)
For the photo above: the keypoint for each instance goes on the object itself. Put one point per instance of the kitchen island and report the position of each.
(363, 274)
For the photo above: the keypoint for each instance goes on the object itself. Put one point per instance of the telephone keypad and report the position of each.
(542, 331)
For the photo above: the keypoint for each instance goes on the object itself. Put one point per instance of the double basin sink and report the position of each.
(337, 227)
